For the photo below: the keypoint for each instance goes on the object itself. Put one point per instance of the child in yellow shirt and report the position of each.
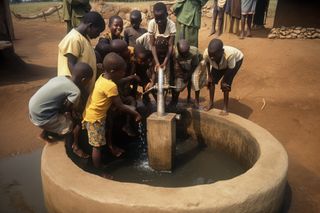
(105, 94)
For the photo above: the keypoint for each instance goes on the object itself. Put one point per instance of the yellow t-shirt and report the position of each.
(100, 100)
(79, 46)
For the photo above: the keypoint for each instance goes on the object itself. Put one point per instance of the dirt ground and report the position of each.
(284, 73)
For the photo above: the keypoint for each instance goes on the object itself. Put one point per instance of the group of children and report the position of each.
(93, 85)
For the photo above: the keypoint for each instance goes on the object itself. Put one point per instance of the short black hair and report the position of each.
(161, 42)
(139, 49)
(103, 47)
(83, 70)
(118, 45)
(113, 62)
(160, 7)
(215, 44)
(95, 19)
(135, 13)
(112, 18)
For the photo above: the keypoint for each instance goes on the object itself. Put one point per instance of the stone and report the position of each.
(272, 36)
(310, 28)
(284, 33)
(297, 31)
(289, 36)
(282, 36)
(282, 28)
(298, 28)
(161, 134)
(318, 30)
(303, 30)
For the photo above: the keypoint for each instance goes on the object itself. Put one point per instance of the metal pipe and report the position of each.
(160, 96)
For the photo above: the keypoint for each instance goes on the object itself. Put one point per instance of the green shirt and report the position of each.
(188, 12)
(74, 10)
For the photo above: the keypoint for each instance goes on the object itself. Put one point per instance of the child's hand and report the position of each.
(149, 85)
(156, 67)
(138, 118)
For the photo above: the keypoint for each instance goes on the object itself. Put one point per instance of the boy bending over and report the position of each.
(186, 60)
(50, 107)
(225, 61)
(104, 94)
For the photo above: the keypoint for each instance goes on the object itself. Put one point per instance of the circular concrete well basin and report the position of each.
(69, 189)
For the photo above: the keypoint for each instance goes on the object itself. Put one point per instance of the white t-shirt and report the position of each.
(230, 58)
(169, 31)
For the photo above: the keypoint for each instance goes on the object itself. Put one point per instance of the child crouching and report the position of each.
(50, 107)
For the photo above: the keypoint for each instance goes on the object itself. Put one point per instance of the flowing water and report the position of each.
(193, 165)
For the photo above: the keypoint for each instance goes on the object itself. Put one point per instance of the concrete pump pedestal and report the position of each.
(161, 137)
(68, 189)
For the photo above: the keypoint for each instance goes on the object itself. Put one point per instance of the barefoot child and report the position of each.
(161, 26)
(104, 94)
(186, 60)
(50, 107)
(132, 33)
(225, 61)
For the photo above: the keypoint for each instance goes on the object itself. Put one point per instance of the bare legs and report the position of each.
(246, 19)
(217, 13)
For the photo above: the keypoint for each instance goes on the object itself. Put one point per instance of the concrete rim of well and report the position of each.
(67, 188)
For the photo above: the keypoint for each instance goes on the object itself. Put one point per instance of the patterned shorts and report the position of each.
(96, 133)
(199, 77)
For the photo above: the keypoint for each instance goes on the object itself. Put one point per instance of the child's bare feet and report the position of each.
(106, 176)
(46, 137)
(79, 152)
(248, 34)
(207, 108)
(116, 151)
(241, 35)
(224, 112)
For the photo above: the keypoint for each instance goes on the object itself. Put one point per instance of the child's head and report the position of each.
(135, 19)
(115, 25)
(95, 24)
(215, 50)
(183, 47)
(82, 74)
(114, 66)
(103, 47)
(162, 46)
(142, 55)
(121, 48)
(160, 14)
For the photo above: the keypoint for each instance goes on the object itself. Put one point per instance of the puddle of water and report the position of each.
(20, 184)
(193, 166)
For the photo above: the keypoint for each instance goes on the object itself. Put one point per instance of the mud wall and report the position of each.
(305, 13)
